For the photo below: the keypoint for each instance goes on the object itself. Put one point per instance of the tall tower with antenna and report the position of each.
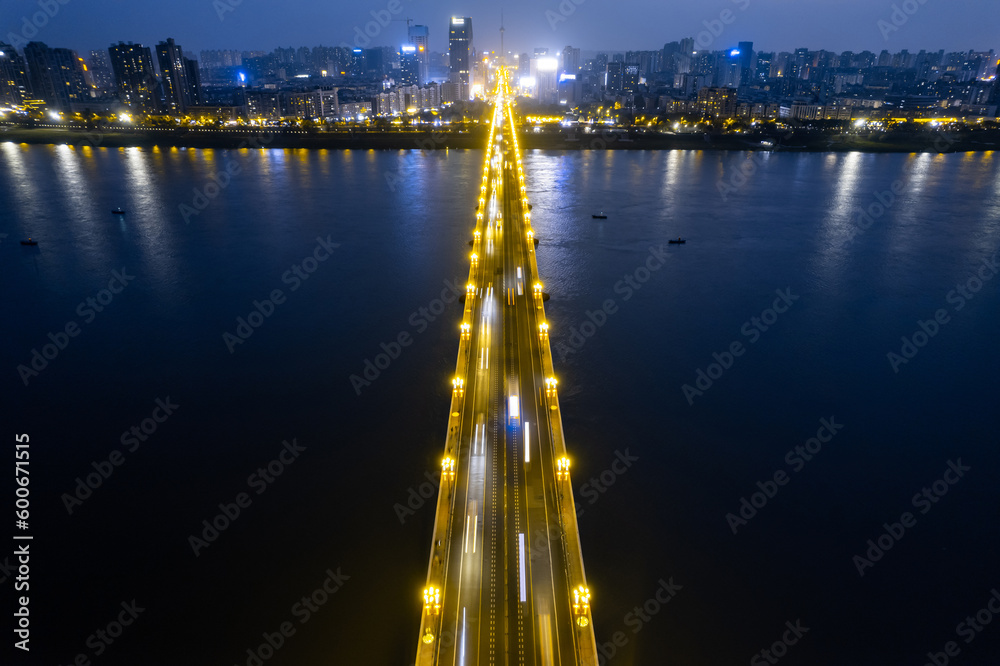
(502, 52)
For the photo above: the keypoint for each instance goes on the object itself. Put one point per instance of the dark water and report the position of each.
(401, 220)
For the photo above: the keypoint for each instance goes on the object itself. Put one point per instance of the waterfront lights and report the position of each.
(432, 600)
(550, 386)
(543, 330)
(448, 468)
(465, 331)
(531, 235)
(475, 259)
(538, 289)
(458, 386)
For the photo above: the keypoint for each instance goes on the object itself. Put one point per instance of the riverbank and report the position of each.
(614, 139)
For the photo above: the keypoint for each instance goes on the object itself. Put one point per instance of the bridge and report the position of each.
(505, 580)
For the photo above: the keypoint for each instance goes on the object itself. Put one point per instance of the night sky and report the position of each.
(781, 25)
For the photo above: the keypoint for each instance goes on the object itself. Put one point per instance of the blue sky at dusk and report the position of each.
(592, 25)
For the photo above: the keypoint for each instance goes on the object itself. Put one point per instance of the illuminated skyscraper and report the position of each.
(13, 76)
(134, 77)
(716, 103)
(176, 91)
(100, 71)
(56, 75)
(193, 81)
(995, 96)
(460, 53)
(409, 66)
(419, 36)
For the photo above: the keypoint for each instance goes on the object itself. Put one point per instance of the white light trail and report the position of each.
(520, 547)
(527, 442)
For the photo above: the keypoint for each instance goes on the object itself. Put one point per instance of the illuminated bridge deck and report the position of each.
(505, 582)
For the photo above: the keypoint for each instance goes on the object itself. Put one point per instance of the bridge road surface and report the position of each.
(506, 567)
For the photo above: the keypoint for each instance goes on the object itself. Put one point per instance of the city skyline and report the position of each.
(225, 24)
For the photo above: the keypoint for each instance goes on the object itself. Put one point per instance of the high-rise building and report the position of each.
(630, 78)
(615, 78)
(461, 53)
(100, 71)
(994, 96)
(409, 66)
(357, 62)
(717, 102)
(745, 58)
(193, 73)
(134, 77)
(57, 76)
(14, 86)
(419, 36)
(176, 91)
(763, 71)
(570, 60)
(262, 105)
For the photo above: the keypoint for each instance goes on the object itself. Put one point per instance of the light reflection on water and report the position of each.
(403, 219)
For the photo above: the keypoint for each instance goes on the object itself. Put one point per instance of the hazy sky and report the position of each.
(837, 25)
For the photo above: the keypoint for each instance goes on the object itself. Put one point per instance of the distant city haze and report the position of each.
(592, 25)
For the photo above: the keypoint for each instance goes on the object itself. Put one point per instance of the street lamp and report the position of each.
(562, 468)
(432, 600)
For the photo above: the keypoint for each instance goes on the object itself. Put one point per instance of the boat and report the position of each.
(29, 242)
(118, 211)
(599, 216)
(677, 241)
